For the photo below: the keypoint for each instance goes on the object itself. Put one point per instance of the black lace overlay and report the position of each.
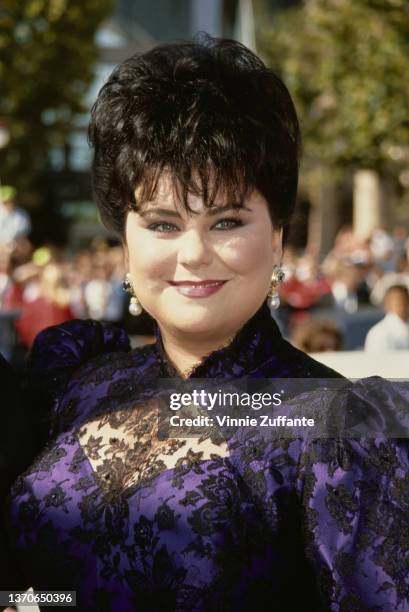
(132, 521)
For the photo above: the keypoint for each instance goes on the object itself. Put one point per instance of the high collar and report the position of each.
(251, 346)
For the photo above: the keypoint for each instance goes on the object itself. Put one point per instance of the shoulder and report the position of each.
(390, 333)
(81, 337)
(59, 350)
(384, 403)
(56, 354)
(109, 382)
(378, 337)
(105, 366)
(378, 327)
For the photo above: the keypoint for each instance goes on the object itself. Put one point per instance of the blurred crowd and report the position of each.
(350, 284)
(321, 297)
(354, 272)
(46, 286)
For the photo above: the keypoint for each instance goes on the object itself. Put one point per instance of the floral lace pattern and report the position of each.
(134, 522)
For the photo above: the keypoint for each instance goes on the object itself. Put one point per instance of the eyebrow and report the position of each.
(173, 213)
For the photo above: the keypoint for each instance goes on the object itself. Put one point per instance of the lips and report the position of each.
(204, 283)
(197, 289)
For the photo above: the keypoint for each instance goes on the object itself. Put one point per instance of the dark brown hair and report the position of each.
(207, 111)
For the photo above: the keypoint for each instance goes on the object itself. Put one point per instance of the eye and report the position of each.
(162, 227)
(229, 223)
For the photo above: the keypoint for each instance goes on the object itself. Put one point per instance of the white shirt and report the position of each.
(390, 334)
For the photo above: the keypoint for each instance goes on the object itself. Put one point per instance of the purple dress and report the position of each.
(133, 522)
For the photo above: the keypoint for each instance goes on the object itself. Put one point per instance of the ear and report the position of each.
(126, 254)
(278, 243)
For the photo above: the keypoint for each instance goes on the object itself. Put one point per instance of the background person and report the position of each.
(317, 336)
(392, 333)
(14, 221)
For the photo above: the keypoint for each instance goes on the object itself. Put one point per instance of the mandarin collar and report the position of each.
(251, 346)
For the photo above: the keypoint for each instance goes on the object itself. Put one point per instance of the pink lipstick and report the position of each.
(197, 289)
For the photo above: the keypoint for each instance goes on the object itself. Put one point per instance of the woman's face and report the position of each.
(166, 247)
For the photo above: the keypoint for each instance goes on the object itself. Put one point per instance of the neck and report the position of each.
(400, 315)
(188, 352)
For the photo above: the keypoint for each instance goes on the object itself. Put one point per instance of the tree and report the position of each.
(47, 54)
(346, 64)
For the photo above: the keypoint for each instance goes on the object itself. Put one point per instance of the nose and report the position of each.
(194, 250)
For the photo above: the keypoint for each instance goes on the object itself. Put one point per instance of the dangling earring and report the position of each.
(273, 300)
(135, 307)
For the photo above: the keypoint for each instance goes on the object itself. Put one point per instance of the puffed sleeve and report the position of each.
(336, 499)
(55, 355)
(355, 499)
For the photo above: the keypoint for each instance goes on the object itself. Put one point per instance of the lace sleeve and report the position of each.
(56, 353)
(355, 504)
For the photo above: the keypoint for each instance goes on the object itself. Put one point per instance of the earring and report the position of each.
(273, 299)
(135, 307)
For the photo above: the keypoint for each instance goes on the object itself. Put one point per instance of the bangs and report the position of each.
(205, 144)
(213, 186)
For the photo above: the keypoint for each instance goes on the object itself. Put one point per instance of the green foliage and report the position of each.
(47, 54)
(346, 63)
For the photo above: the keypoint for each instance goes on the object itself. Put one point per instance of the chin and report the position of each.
(199, 322)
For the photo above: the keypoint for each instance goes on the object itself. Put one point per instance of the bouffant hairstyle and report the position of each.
(209, 113)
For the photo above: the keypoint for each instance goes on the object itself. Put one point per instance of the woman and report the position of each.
(196, 162)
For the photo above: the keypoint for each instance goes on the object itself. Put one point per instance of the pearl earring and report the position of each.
(135, 307)
(273, 300)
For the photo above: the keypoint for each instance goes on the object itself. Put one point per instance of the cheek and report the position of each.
(149, 259)
(249, 253)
